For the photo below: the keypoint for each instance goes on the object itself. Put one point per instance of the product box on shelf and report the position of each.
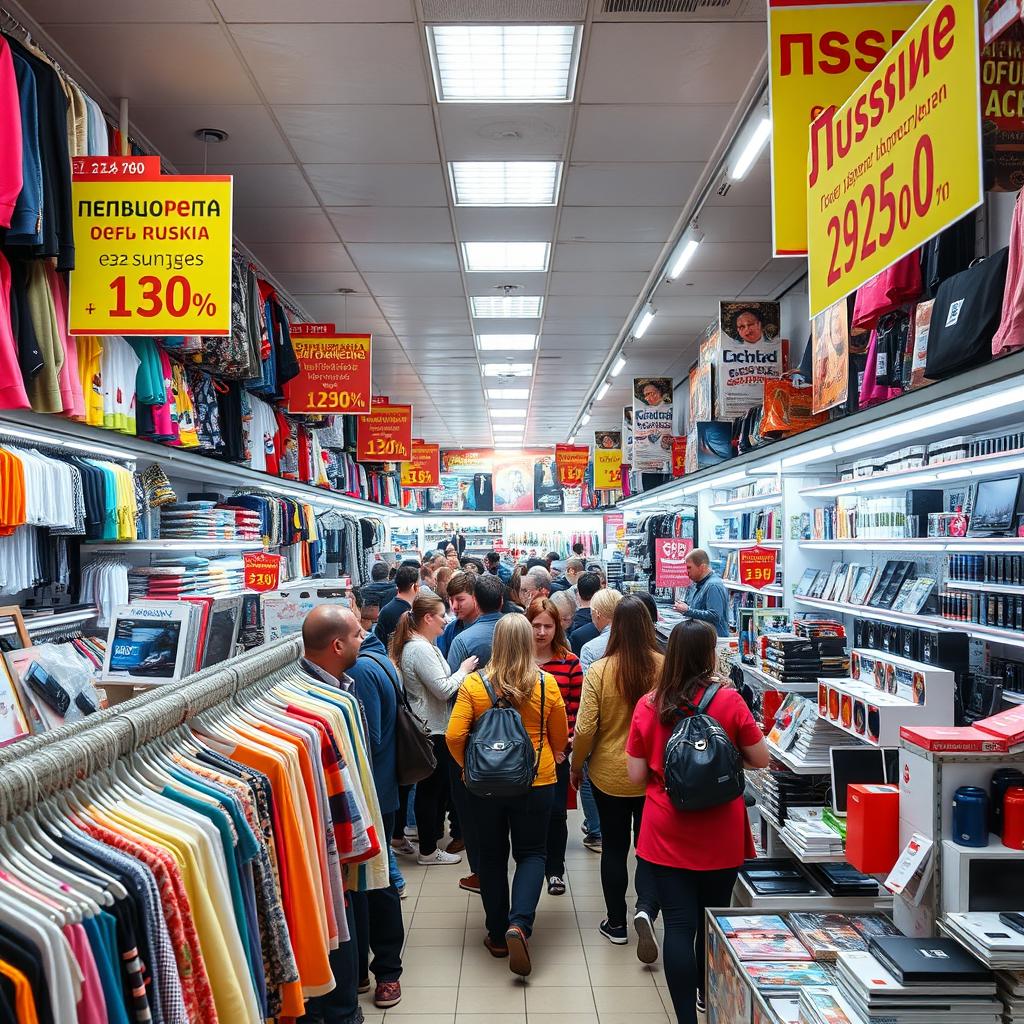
(872, 827)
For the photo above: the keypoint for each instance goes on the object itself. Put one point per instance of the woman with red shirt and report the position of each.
(694, 856)
(552, 654)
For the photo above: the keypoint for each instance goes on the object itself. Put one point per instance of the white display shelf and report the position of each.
(744, 544)
(757, 501)
(744, 896)
(770, 591)
(987, 588)
(185, 546)
(771, 683)
(934, 544)
(796, 766)
(811, 858)
(36, 624)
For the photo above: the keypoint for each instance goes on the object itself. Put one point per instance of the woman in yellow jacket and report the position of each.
(521, 820)
(612, 687)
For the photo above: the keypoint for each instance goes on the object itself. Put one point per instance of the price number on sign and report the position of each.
(761, 574)
(386, 446)
(757, 566)
(869, 220)
(151, 296)
(418, 477)
(334, 400)
(264, 579)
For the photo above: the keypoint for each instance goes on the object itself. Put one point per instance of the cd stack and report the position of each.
(782, 792)
(815, 737)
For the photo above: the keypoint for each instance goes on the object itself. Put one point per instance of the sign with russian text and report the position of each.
(820, 52)
(607, 469)
(384, 434)
(261, 571)
(748, 353)
(757, 566)
(572, 461)
(152, 251)
(678, 456)
(652, 424)
(670, 561)
(901, 159)
(1002, 108)
(334, 372)
(311, 330)
(424, 468)
(614, 528)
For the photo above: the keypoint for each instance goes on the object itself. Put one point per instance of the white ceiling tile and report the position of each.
(498, 131)
(630, 184)
(493, 284)
(259, 184)
(325, 63)
(378, 184)
(138, 60)
(321, 284)
(567, 282)
(440, 327)
(422, 306)
(583, 325)
(306, 224)
(384, 133)
(511, 224)
(754, 190)
(311, 10)
(775, 278)
(678, 305)
(56, 12)
(605, 255)
(670, 133)
(681, 62)
(424, 283)
(717, 284)
(374, 256)
(303, 258)
(730, 256)
(585, 343)
(617, 224)
(392, 223)
(736, 223)
(590, 306)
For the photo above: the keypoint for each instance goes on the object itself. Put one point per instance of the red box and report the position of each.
(873, 827)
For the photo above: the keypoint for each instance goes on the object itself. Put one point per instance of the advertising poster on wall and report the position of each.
(547, 490)
(652, 424)
(513, 483)
(749, 352)
(830, 341)
(1002, 127)
(486, 480)
(627, 435)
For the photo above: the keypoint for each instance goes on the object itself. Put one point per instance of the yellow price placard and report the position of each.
(901, 159)
(152, 252)
(607, 469)
(424, 467)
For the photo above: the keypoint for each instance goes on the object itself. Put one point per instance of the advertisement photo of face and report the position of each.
(607, 441)
(750, 326)
(655, 392)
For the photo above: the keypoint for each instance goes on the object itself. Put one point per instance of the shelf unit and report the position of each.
(737, 544)
(39, 623)
(796, 766)
(182, 546)
(771, 590)
(767, 682)
(766, 500)
(935, 545)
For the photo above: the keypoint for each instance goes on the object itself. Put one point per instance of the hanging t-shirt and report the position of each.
(118, 368)
(90, 349)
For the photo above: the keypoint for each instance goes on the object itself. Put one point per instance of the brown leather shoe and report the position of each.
(496, 950)
(388, 993)
(456, 846)
(471, 883)
(518, 951)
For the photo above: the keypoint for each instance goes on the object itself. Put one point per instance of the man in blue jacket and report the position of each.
(492, 561)
(706, 596)
(378, 912)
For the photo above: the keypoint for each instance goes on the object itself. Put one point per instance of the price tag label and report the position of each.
(572, 460)
(261, 571)
(385, 433)
(424, 468)
(607, 469)
(757, 566)
(334, 372)
(678, 456)
(670, 561)
(152, 252)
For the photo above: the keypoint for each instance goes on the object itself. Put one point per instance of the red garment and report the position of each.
(12, 385)
(10, 152)
(871, 392)
(569, 676)
(887, 290)
(718, 837)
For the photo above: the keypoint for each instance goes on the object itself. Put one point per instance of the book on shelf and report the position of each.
(827, 935)
(825, 1005)
(762, 937)
(806, 582)
(928, 961)
(913, 595)
(773, 977)
(863, 584)
(893, 574)
(988, 938)
(868, 981)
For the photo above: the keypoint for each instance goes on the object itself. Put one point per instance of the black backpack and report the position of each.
(500, 759)
(703, 768)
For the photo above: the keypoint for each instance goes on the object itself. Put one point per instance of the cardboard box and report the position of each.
(873, 827)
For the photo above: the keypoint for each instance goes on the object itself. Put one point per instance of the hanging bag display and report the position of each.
(788, 409)
(967, 310)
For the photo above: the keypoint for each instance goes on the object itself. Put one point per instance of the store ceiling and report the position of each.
(340, 150)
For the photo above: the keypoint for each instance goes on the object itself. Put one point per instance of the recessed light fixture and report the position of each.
(756, 137)
(504, 63)
(508, 394)
(585, 420)
(507, 342)
(505, 182)
(509, 306)
(499, 257)
(515, 446)
(643, 321)
(603, 390)
(508, 369)
(508, 414)
(620, 365)
(509, 428)
(684, 251)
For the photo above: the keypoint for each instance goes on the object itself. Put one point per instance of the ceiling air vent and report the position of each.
(533, 11)
(719, 9)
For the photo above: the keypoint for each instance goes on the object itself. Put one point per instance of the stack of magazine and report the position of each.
(894, 585)
(782, 792)
(991, 940)
(762, 937)
(808, 836)
(799, 729)
(827, 935)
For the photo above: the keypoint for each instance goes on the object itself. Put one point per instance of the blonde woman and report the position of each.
(566, 606)
(429, 684)
(521, 821)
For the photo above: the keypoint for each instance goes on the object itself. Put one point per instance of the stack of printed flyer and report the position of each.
(808, 836)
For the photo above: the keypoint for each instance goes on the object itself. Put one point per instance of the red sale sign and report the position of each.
(670, 561)
(572, 461)
(385, 433)
(757, 566)
(678, 456)
(261, 571)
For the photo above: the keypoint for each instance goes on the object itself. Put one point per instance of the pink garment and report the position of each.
(92, 1007)
(71, 398)
(165, 419)
(871, 392)
(1009, 336)
(10, 151)
(887, 290)
(12, 385)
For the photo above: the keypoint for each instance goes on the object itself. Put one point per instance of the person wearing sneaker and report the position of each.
(429, 684)
(519, 821)
(552, 654)
(611, 689)
(693, 856)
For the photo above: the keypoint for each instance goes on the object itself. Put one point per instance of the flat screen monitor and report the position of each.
(995, 506)
(222, 630)
(857, 765)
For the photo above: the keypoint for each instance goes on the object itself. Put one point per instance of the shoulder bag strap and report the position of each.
(492, 696)
(403, 697)
(709, 696)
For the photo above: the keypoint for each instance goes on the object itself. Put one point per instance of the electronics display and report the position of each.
(995, 506)
(222, 630)
(859, 764)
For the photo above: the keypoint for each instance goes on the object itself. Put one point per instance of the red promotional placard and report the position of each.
(334, 371)
(571, 461)
(757, 566)
(262, 571)
(424, 468)
(670, 561)
(384, 434)
(678, 456)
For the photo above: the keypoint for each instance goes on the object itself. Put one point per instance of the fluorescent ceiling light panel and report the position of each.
(585, 420)
(507, 342)
(517, 447)
(508, 428)
(572, 439)
(516, 307)
(603, 390)
(508, 394)
(508, 414)
(508, 369)
(756, 140)
(505, 182)
(502, 257)
(684, 253)
(620, 365)
(643, 321)
(504, 63)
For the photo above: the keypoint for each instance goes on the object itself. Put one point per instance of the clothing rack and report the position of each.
(10, 437)
(38, 767)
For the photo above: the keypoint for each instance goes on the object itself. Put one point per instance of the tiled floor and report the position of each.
(578, 976)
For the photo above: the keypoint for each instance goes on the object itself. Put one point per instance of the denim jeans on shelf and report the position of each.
(591, 816)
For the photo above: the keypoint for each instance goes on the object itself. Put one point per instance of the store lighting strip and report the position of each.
(935, 545)
(769, 499)
(740, 544)
(769, 591)
(29, 437)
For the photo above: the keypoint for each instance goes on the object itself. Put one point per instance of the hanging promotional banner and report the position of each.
(608, 439)
(607, 469)
(652, 424)
(748, 353)
(1002, 108)
(901, 159)
(334, 372)
(152, 251)
(757, 566)
(627, 435)
(572, 461)
(261, 571)
(820, 52)
(424, 467)
(670, 561)
(384, 434)
(678, 456)
(830, 357)
(614, 528)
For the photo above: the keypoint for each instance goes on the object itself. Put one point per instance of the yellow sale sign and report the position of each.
(820, 52)
(607, 469)
(152, 251)
(901, 159)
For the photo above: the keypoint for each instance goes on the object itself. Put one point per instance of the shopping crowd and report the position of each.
(588, 698)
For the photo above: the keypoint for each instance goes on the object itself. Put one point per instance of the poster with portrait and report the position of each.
(830, 357)
(513, 483)
(607, 439)
(627, 435)
(652, 424)
(547, 489)
(749, 352)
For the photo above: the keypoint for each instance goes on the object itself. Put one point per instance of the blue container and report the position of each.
(970, 816)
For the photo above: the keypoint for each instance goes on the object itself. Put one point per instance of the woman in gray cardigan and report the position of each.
(429, 684)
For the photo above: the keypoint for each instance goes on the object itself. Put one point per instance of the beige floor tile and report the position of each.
(631, 972)
(435, 937)
(423, 1018)
(627, 998)
(606, 953)
(373, 1018)
(417, 973)
(567, 999)
(448, 919)
(443, 904)
(565, 955)
(562, 1018)
(429, 955)
(493, 998)
(490, 1018)
(421, 999)
(546, 974)
(628, 1017)
(485, 975)
(588, 903)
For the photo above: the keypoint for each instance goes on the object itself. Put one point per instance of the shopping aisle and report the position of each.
(578, 976)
